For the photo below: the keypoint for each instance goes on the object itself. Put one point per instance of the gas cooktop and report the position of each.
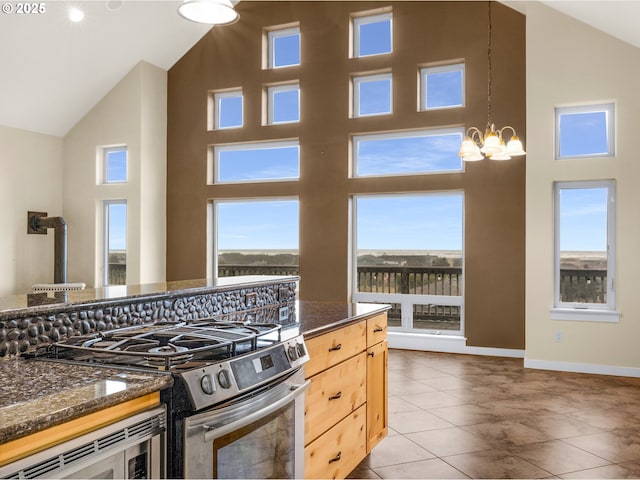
(168, 345)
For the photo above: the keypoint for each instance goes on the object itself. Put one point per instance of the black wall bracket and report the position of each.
(33, 223)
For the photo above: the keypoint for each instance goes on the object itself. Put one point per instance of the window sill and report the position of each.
(585, 315)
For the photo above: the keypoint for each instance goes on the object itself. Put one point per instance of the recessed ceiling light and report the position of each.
(76, 15)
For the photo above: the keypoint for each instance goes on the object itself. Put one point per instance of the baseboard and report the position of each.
(445, 344)
(582, 368)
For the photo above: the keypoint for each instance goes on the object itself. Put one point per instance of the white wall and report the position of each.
(133, 113)
(571, 63)
(31, 179)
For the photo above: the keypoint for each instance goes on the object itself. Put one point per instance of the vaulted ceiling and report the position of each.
(54, 71)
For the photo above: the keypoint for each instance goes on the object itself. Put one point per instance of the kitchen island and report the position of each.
(37, 396)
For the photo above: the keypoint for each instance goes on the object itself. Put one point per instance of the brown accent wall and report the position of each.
(423, 32)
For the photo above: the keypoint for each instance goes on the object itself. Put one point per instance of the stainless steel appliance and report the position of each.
(130, 448)
(236, 409)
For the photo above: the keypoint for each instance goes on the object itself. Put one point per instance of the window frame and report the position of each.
(364, 18)
(275, 33)
(586, 311)
(271, 92)
(426, 70)
(609, 110)
(213, 230)
(404, 300)
(217, 109)
(105, 236)
(105, 165)
(213, 166)
(357, 80)
(355, 139)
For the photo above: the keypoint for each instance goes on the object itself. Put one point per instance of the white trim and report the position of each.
(585, 315)
(582, 367)
(218, 97)
(286, 32)
(271, 101)
(358, 81)
(445, 344)
(433, 132)
(610, 186)
(426, 71)
(213, 173)
(607, 108)
(364, 20)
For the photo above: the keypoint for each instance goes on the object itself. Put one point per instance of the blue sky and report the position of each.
(396, 222)
(583, 221)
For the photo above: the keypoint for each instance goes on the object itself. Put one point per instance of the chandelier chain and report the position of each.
(489, 77)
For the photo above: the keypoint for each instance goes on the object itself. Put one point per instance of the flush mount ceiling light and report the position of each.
(213, 12)
(490, 144)
(75, 14)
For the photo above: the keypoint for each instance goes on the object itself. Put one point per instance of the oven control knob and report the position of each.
(301, 350)
(292, 352)
(224, 379)
(207, 384)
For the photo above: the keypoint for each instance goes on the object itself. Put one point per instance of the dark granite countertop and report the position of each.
(317, 318)
(49, 393)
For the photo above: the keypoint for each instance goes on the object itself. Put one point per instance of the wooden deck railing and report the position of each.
(583, 286)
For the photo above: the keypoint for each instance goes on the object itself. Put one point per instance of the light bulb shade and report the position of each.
(213, 12)
(514, 147)
(491, 144)
(473, 157)
(468, 147)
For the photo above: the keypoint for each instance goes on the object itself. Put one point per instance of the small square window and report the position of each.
(284, 47)
(115, 164)
(372, 35)
(228, 109)
(372, 95)
(283, 104)
(586, 131)
(442, 87)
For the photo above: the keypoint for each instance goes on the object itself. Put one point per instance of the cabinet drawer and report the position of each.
(334, 347)
(336, 453)
(376, 329)
(333, 395)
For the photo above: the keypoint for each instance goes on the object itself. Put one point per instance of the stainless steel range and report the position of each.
(236, 409)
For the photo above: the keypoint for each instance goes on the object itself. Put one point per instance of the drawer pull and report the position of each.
(336, 396)
(371, 354)
(335, 347)
(336, 458)
(378, 330)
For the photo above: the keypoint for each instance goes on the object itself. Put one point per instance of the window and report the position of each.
(283, 104)
(406, 153)
(115, 242)
(372, 35)
(115, 164)
(228, 109)
(408, 252)
(372, 95)
(586, 131)
(284, 47)
(252, 162)
(584, 246)
(442, 87)
(256, 237)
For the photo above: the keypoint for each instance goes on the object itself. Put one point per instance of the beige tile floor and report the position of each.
(464, 416)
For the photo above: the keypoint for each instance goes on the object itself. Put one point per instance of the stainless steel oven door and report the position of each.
(257, 437)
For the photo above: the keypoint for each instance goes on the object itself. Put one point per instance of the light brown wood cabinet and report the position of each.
(346, 404)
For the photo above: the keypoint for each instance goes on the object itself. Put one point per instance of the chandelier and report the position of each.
(490, 144)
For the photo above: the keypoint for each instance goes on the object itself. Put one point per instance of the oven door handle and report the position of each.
(213, 431)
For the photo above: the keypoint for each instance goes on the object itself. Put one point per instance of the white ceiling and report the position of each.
(54, 71)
